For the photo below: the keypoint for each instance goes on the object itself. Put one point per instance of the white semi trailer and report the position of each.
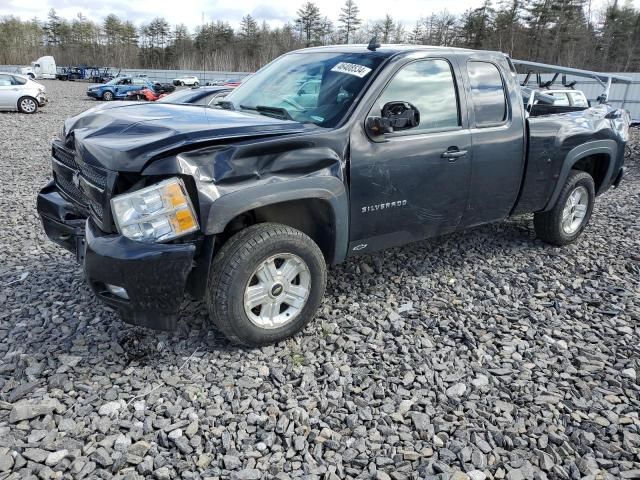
(44, 67)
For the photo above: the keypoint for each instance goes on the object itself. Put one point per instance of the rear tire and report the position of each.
(27, 105)
(196, 84)
(564, 223)
(107, 96)
(265, 284)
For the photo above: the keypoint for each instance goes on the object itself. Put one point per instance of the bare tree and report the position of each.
(349, 19)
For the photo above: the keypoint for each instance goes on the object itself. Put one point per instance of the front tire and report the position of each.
(564, 223)
(107, 96)
(27, 105)
(265, 284)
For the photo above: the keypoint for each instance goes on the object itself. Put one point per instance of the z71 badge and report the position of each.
(383, 206)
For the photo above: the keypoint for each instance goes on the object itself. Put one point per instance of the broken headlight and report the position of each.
(157, 213)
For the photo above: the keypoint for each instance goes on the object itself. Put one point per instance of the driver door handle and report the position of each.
(453, 153)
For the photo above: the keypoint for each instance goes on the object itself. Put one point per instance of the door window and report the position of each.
(487, 92)
(429, 86)
(5, 81)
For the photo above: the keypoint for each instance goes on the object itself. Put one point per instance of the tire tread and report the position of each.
(546, 224)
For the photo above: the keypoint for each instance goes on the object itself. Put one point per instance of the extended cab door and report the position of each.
(411, 184)
(495, 111)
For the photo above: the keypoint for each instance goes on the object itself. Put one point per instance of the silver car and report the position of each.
(18, 92)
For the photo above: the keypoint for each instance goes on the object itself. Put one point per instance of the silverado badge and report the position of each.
(383, 206)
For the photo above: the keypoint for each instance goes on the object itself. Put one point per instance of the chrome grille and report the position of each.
(96, 208)
(64, 156)
(71, 191)
(92, 178)
(94, 175)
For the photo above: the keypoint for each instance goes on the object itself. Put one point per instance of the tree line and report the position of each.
(565, 32)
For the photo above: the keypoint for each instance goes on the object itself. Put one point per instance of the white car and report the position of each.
(20, 93)
(190, 80)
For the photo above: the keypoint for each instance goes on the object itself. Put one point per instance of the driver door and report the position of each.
(411, 184)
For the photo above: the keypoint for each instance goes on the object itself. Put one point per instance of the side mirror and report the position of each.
(378, 126)
(396, 117)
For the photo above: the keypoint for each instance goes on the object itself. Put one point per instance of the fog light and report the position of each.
(117, 291)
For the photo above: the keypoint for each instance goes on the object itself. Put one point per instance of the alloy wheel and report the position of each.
(277, 291)
(575, 210)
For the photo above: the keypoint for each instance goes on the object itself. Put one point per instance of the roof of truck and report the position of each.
(389, 50)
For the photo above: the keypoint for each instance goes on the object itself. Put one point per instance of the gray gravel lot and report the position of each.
(485, 354)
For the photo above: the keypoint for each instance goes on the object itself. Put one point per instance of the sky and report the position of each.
(189, 12)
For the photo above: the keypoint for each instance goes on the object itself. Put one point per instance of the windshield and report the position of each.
(314, 88)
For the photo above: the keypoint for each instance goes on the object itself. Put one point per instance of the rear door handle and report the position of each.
(452, 154)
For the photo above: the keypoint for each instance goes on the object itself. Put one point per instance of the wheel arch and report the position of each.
(317, 206)
(597, 158)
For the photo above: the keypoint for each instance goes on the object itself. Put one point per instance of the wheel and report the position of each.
(31, 76)
(182, 84)
(565, 222)
(196, 84)
(27, 105)
(107, 96)
(265, 284)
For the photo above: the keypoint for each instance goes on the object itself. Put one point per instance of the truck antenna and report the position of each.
(373, 44)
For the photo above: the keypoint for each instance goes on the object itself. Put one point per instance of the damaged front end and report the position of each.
(224, 162)
(145, 282)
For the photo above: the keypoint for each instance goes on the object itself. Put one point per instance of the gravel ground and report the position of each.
(485, 354)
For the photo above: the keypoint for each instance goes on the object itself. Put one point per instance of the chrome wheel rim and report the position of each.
(28, 105)
(277, 291)
(575, 210)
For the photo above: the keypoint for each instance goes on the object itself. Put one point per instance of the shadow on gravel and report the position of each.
(59, 282)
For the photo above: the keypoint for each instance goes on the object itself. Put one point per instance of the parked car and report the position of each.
(118, 88)
(197, 95)
(147, 94)
(18, 92)
(188, 80)
(244, 206)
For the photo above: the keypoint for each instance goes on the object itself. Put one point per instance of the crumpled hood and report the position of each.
(126, 137)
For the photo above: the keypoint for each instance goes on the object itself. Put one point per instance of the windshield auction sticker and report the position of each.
(351, 69)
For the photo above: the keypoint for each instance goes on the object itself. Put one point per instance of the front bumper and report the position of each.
(42, 99)
(93, 94)
(154, 275)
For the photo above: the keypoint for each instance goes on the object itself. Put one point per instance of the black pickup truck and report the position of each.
(323, 154)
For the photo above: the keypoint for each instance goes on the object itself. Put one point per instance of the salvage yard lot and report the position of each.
(484, 352)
